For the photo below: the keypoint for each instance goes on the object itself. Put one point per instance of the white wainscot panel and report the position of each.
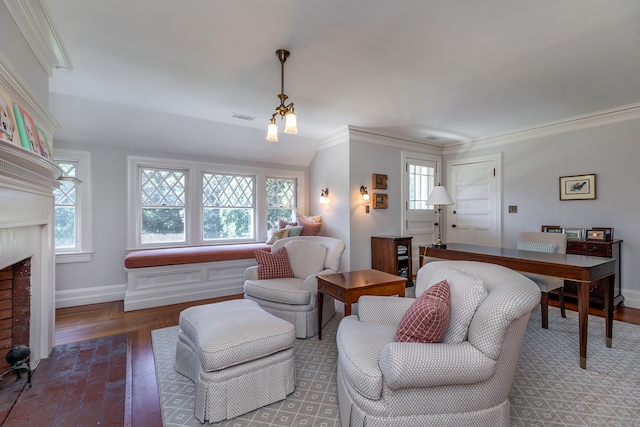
(171, 284)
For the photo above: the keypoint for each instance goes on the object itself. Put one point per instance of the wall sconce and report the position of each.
(365, 197)
(324, 197)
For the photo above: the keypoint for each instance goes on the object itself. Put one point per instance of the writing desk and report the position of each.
(578, 268)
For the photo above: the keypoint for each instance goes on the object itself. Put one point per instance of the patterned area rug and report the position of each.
(549, 388)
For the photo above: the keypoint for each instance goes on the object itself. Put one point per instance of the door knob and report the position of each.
(453, 226)
(454, 212)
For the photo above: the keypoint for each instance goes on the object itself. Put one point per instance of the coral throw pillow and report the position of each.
(282, 223)
(273, 265)
(310, 228)
(427, 318)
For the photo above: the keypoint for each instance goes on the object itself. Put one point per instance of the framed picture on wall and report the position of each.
(379, 181)
(578, 187)
(380, 201)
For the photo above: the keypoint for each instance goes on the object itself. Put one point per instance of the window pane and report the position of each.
(162, 225)
(65, 226)
(228, 223)
(275, 215)
(162, 187)
(282, 200)
(421, 182)
(65, 200)
(228, 206)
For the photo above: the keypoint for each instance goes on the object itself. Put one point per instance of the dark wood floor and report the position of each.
(143, 405)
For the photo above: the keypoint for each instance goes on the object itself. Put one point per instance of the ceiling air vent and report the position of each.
(241, 116)
(431, 138)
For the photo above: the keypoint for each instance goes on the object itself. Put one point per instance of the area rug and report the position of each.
(549, 388)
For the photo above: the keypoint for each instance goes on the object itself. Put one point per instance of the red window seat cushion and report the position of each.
(191, 255)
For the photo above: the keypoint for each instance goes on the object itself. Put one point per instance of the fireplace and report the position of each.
(15, 308)
(26, 240)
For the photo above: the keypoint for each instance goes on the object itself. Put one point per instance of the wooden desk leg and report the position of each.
(347, 310)
(583, 320)
(320, 304)
(608, 306)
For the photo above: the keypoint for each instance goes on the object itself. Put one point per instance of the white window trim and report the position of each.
(194, 195)
(85, 212)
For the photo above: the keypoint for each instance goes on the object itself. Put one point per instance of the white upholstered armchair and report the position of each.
(295, 299)
(464, 380)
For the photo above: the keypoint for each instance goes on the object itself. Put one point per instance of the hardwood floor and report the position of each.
(142, 407)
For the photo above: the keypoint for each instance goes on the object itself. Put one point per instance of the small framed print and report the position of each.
(578, 187)
(380, 201)
(379, 181)
(595, 235)
(574, 233)
(608, 232)
(551, 229)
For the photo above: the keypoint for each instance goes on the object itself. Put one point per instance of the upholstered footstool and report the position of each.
(239, 356)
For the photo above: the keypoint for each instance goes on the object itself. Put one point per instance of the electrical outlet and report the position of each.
(513, 209)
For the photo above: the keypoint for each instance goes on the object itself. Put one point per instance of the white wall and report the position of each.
(531, 171)
(103, 278)
(330, 169)
(14, 46)
(351, 164)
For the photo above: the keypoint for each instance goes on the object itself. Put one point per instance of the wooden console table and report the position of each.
(349, 286)
(583, 270)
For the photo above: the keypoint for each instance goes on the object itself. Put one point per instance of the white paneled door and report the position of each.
(474, 186)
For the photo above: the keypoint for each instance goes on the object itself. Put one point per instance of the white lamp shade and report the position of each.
(439, 196)
(291, 123)
(272, 132)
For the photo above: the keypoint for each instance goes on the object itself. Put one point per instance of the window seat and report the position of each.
(191, 255)
(157, 277)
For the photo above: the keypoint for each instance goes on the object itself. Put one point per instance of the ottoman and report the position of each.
(239, 356)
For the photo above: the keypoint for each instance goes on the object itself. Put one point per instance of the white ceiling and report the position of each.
(168, 74)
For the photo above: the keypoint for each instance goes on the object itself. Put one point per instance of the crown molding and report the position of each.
(36, 24)
(600, 118)
(367, 136)
(340, 136)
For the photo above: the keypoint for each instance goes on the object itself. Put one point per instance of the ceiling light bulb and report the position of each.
(272, 132)
(291, 123)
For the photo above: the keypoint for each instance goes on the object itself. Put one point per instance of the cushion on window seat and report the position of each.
(191, 255)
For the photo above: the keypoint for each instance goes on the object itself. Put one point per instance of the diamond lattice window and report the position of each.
(164, 200)
(228, 203)
(282, 200)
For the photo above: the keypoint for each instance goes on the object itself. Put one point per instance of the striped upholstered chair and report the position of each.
(464, 379)
(550, 243)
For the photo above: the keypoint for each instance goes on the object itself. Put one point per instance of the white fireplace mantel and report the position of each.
(27, 213)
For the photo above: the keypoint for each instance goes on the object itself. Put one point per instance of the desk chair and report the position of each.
(549, 243)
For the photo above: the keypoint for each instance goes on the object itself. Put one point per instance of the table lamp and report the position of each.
(439, 197)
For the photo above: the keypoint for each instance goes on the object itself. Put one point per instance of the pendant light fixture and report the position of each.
(285, 111)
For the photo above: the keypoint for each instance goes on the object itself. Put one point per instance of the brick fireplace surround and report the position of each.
(15, 308)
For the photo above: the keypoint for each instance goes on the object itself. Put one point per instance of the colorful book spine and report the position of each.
(21, 130)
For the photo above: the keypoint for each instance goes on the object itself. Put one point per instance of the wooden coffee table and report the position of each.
(349, 286)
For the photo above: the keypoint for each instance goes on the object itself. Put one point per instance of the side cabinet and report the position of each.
(606, 249)
(392, 254)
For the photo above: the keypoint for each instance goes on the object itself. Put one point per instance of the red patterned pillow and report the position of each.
(310, 228)
(282, 223)
(427, 318)
(273, 265)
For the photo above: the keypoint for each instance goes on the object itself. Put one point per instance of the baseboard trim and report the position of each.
(631, 298)
(92, 295)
